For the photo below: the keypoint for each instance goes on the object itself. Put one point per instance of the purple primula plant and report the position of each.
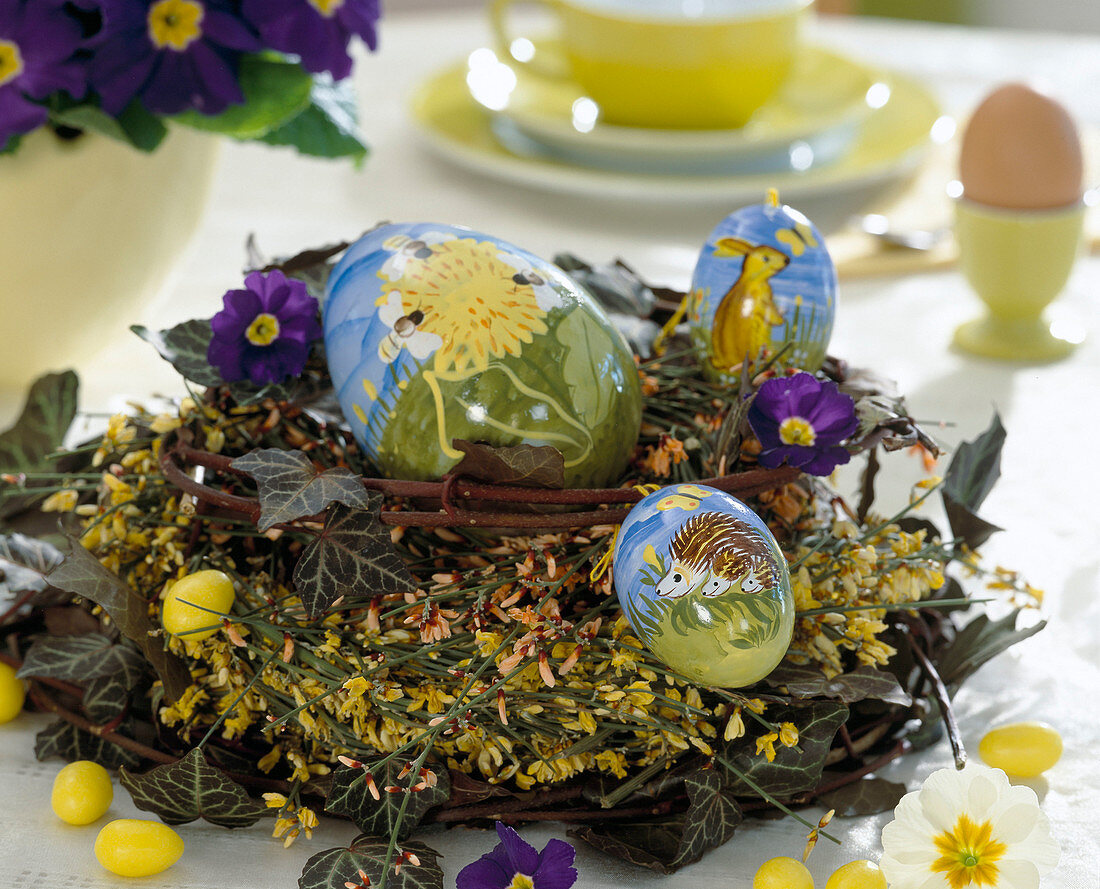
(801, 420)
(38, 45)
(264, 332)
(516, 864)
(318, 31)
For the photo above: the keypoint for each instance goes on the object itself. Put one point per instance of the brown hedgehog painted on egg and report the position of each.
(712, 551)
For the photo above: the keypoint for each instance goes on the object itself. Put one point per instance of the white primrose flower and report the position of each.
(968, 829)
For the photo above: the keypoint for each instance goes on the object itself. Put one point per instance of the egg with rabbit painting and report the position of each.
(763, 281)
(704, 585)
(435, 333)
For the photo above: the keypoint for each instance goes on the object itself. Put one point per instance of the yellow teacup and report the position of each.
(670, 64)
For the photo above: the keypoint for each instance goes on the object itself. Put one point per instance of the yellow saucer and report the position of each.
(811, 121)
(888, 142)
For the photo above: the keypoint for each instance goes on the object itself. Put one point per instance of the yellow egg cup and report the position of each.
(1017, 261)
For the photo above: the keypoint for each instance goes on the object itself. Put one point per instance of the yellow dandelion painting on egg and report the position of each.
(477, 304)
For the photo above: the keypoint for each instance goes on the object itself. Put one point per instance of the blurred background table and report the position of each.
(900, 325)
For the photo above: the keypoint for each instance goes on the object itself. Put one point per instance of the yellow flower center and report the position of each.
(264, 330)
(969, 854)
(175, 23)
(11, 61)
(796, 431)
(327, 8)
(521, 881)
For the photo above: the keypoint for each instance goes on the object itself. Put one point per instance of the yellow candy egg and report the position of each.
(861, 874)
(1023, 749)
(12, 694)
(131, 847)
(82, 792)
(185, 607)
(783, 873)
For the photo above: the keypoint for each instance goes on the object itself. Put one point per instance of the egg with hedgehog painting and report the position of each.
(435, 333)
(704, 585)
(764, 280)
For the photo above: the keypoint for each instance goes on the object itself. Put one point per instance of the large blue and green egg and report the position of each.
(704, 585)
(435, 333)
(764, 283)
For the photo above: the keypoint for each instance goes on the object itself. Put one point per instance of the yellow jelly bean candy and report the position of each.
(1023, 749)
(783, 873)
(861, 874)
(12, 694)
(82, 792)
(209, 589)
(131, 847)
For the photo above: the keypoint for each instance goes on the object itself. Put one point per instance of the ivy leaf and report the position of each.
(349, 796)
(190, 789)
(105, 697)
(974, 469)
(857, 685)
(352, 555)
(184, 347)
(275, 91)
(792, 771)
(82, 574)
(712, 816)
(65, 740)
(327, 127)
(24, 563)
(978, 642)
(291, 487)
(647, 843)
(80, 658)
(530, 466)
(868, 796)
(335, 868)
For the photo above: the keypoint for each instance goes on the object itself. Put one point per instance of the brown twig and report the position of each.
(944, 700)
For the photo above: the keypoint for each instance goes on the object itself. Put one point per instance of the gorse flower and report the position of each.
(318, 31)
(263, 333)
(968, 830)
(173, 55)
(801, 420)
(516, 864)
(38, 42)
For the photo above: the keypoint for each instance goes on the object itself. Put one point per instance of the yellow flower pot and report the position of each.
(89, 228)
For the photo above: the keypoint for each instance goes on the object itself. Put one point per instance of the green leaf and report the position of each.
(712, 816)
(792, 772)
(184, 347)
(327, 127)
(80, 658)
(531, 466)
(105, 697)
(40, 430)
(860, 684)
(24, 563)
(82, 574)
(11, 145)
(135, 125)
(981, 640)
(190, 789)
(868, 796)
(275, 91)
(335, 868)
(645, 842)
(349, 796)
(291, 487)
(973, 471)
(65, 740)
(352, 556)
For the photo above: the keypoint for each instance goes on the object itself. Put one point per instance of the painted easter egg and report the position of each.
(704, 585)
(435, 333)
(763, 280)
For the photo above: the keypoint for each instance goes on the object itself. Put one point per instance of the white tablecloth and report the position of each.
(1047, 498)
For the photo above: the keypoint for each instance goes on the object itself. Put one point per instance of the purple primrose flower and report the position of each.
(515, 864)
(175, 55)
(38, 40)
(317, 31)
(263, 334)
(801, 420)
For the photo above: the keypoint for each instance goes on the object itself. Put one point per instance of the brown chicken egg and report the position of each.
(1021, 151)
